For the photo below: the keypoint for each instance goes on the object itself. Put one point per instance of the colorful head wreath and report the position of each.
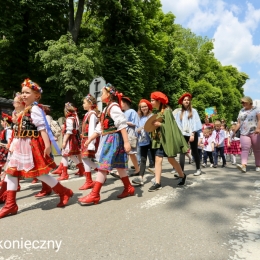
(32, 85)
(7, 118)
(91, 99)
(111, 89)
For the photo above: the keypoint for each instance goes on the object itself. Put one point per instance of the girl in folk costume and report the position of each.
(227, 139)
(235, 146)
(167, 139)
(5, 137)
(71, 143)
(30, 156)
(113, 147)
(89, 124)
(18, 108)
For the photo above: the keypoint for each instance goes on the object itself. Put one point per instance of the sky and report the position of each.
(235, 27)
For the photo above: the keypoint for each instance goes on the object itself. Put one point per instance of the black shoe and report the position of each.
(215, 166)
(133, 174)
(223, 166)
(132, 167)
(115, 175)
(182, 181)
(151, 166)
(155, 187)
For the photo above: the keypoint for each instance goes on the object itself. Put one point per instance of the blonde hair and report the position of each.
(247, 99)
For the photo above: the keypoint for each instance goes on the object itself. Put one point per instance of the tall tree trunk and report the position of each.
(74, 23)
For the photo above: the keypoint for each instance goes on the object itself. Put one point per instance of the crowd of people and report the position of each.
(105, 142)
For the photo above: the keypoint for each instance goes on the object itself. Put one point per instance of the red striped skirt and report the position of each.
(42, 165)
(226, 148)
(84, 150)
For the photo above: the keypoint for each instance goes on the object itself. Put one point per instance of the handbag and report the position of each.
(132, 138)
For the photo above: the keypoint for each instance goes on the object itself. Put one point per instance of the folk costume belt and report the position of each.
(27, 133)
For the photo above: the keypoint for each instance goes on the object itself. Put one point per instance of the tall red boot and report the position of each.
(58, 170)
(93, 196)
(19, 186)
(64, 175)
(89, 182)
(10, 207)
(81, 168)
(3, 192)
(129, 189)
(64, 193)
(35, 180)
(46, 190)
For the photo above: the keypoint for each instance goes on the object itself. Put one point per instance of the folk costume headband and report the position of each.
(91, 100)
(7, 118)
(112, 91)
(32, 85)
(157, 95)
(150, 107)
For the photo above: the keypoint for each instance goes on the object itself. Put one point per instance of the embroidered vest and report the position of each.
(107, 123)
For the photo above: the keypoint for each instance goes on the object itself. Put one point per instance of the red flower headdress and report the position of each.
(32, 85)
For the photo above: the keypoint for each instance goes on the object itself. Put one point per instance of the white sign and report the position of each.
(95, 90)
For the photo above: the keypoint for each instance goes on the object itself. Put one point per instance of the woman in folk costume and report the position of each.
(89, 124)
(18, 108)
(113, 146)
(70, 144)
(167, 139)
(30, 156)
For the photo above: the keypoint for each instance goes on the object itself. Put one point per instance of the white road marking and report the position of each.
(247, 231)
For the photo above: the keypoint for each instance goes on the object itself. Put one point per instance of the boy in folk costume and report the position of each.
(30, 156)
(89, 124)
(71, 143)
(113, 146)
(167, 139)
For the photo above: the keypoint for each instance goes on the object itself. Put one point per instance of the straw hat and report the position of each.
(149, 127)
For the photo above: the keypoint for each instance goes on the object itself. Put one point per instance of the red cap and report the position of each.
(183, 96)
(147, 103)
(157, 95)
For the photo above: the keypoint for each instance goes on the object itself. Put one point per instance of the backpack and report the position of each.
(55, 128)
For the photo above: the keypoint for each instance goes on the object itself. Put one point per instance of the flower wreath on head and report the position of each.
(32, 85)
(93, 104)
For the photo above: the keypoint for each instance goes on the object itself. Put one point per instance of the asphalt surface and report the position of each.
(214, 216)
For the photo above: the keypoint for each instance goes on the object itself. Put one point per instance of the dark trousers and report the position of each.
(144, 152)
(207, 154)
(151, 158)
(219, 150)
(194, 151)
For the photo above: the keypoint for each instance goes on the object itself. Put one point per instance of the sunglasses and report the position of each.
(242, 102)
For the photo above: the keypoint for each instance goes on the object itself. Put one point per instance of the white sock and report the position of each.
(12, 182)
(48, 180)
(88, 164)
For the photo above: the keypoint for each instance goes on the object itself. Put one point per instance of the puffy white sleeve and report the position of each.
(91, 129)
(119, 117)
(8, 134)
(98, 129)
(37, 118)
(69, 126)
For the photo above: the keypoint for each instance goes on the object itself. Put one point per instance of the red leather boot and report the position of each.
(129, 189)
(64, 175)
(89, 182)
(64, 193)
(46, 190)
(10, 207)
(35, 180)
(58, 170)
(3, 192)
(81, 168)
(93, 196)
(19, 186)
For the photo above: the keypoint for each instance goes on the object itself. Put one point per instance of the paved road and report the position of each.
(215, 216)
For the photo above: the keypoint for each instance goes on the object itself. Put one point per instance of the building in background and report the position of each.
(256, 103)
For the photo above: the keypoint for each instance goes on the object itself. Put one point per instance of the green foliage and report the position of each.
(131, 43)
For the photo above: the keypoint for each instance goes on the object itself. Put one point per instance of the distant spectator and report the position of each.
(249, 125)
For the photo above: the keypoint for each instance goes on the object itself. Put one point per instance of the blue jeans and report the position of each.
(219, 150)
